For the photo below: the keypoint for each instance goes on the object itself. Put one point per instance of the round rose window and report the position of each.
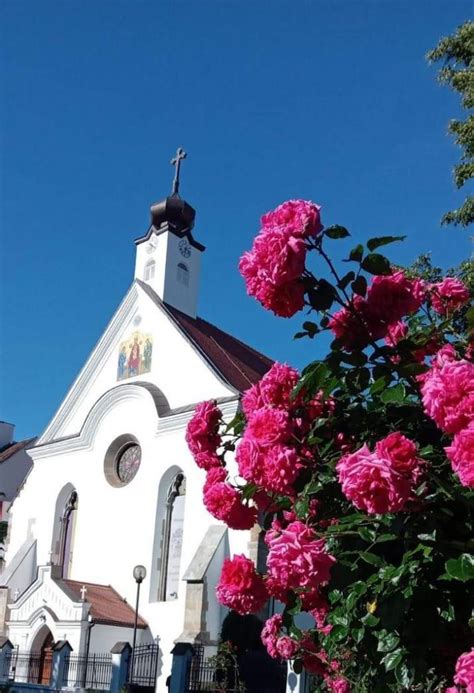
(128, 462)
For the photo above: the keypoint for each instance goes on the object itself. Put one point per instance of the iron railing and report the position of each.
(92, 671)
(145, 666)
(28, 667)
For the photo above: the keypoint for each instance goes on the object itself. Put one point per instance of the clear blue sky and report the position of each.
(329, 100)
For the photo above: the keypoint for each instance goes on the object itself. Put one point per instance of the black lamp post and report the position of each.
(139, 573)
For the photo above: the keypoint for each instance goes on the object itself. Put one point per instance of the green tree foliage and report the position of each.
(456, 53)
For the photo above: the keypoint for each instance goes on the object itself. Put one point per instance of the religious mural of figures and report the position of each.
(135, 356)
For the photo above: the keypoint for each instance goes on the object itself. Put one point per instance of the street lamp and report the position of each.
(139, 574)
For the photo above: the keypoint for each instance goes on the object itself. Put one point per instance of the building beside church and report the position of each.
(113, 484)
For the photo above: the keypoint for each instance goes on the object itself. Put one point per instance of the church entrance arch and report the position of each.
(41, 657)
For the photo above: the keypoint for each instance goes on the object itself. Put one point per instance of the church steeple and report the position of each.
(168, 256)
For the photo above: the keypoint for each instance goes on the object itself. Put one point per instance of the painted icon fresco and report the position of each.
(135, 355)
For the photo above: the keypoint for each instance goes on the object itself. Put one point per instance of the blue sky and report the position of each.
(328, 100)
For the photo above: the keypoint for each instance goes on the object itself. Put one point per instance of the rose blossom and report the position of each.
(271, 633)
(464, 673)
(273, 390)
(448, 295)
(240, 587)
(356, 327)
(281, 467)
(337, 685)
(272, 269)
(448, 391)
(396, 332)
(402, 453)
(461, 455)
(202, 434)
(299, 217)
(373, 483)
(296, 558)
(268, 426)
(286, 647)
(224, 502)
(391, 297)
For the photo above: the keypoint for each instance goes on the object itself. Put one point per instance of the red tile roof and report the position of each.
(14, 448)
(239, 364)
(107, 606)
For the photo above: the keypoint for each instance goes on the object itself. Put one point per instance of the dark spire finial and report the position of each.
(176, 162)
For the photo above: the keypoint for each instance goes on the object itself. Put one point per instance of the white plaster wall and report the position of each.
(185, 298)
(115, 526)
(153, 249)
(177, 369)
(103, 638)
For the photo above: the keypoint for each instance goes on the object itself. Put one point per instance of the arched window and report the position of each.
(63, 531)
(168, 542)
(183, 274)
(149, 270)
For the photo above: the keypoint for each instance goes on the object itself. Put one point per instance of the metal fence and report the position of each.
(144, 667)
(205, 675)
(28, 667)
(93, 671)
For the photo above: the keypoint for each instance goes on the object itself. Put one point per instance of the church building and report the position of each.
(113, 484)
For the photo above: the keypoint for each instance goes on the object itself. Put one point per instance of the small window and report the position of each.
(183, 274)
(149, 270)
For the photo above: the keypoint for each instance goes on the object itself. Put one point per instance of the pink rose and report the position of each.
(372, 482)
(202, 434)
(391, 297)
(298, 217)
(297, 558)
(337, 685)
(396, 332)
(224, 503)
(286, 647)
(281, 467)
(402, 453)
(448, 295)
(355, 328)
(273, 390)
(268, 426)
(448, 391)
(240, 587)
(271, 633)
(461, 455)
(464, 674)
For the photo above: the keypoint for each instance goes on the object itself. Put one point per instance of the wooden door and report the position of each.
(46, 660)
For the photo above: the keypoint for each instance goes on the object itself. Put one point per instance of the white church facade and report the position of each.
(113, 484)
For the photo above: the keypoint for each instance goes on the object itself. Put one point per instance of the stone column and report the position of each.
(6, 649)
(182, 654)
(61, 652)
(4, 611)
(121, 652)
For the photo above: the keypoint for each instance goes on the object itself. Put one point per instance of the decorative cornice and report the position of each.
(84, 380)
(127, 392)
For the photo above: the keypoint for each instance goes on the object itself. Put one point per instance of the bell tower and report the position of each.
(168, 258)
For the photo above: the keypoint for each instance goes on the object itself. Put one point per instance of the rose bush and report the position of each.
(359, 470)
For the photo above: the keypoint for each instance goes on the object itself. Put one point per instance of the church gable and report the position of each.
(141, 344)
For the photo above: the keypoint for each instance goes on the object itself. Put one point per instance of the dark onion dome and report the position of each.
(173, 210)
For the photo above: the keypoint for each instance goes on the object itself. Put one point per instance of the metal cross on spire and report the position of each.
(176, 162)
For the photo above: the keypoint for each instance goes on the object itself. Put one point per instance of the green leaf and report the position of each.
(379, 385)
(359, 286)
(374, 243)
(370, 620)
(387, 641)
(356, 253)
(404, 674)
(394, 394)
(392, 660)
(357, 634)
(461, 568)
(366, 533)
(336, 231)
(376, 264)
(322, 297)
(311, 328)
(359, 587)
(470, 317)
(346, 279)
(312, 379)
(371, 558)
